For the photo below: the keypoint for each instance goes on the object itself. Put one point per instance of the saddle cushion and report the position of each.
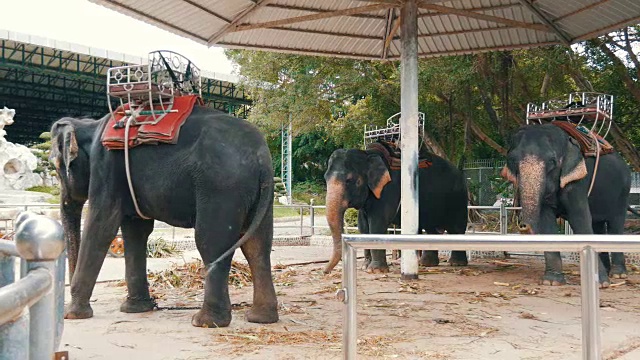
(587, 143)
(392, 155)
(165, 131)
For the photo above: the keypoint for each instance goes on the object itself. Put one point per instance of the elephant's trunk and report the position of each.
(336, 206)
(531, 185)
(71, 214)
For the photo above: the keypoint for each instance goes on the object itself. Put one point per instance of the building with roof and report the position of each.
(45, 79)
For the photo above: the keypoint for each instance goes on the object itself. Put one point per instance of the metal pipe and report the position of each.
(7, 270)
(8, 247)
(350, 331)
(14, 338)
(409, 134)
(590, 304)
(512, 242)
(23, 293)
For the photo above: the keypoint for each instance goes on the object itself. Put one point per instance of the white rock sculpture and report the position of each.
(6, 118)
(17, 163)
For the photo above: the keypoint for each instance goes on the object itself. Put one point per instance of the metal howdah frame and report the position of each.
(582, 108)
(166, 75)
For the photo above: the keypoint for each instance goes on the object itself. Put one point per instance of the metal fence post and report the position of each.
(59, 279)
(301, 220)
(40, 242)
(590, 304)
(348, 296)
(312, 217)
(503, 217)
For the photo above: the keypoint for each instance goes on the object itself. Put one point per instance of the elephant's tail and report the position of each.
(265, 200)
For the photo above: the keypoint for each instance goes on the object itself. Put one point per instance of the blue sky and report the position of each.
(85, 23)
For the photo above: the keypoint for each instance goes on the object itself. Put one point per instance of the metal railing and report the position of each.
(587, 245)
(32, 308)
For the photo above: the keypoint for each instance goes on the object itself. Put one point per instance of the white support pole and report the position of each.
(591, 349)
(409, 134)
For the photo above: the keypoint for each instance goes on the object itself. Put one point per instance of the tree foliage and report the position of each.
(472, 103)
(45, 169)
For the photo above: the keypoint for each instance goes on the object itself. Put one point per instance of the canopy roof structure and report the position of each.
(370, 29)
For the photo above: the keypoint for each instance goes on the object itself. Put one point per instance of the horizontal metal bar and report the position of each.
(29, 205)
(515, 242)
(23, 293)
(8, 247)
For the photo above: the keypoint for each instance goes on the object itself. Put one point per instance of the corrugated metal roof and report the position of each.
(360, 29)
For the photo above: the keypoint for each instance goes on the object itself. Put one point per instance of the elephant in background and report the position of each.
(365, 180)
(217, 178)
(552, 179)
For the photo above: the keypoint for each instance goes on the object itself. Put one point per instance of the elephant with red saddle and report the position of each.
(217, 178)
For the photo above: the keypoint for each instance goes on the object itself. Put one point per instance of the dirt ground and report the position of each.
(489, 310)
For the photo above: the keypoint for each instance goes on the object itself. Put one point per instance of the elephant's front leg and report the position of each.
(363, 228)
(553, 274)
(100, 228)
(618, 268)
(378, 262)
(135, 233)
(579, 217)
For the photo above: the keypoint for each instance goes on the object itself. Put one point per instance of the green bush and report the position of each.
(351, 217)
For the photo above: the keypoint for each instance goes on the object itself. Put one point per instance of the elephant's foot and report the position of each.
(365, 264)
(208, 319)
(75, 311)
(429, 258)
(262, 315)
(553, 279)
(458, 258)
(618, 272)
(133, 306)
(377, 268)
(604, 280)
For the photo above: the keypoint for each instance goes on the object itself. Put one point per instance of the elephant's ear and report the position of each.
(378, 175)
(64, 146)
(573, 167)
(508, 175)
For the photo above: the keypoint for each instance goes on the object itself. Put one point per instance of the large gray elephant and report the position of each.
(367, 181)
(217, 178)
(553, 177)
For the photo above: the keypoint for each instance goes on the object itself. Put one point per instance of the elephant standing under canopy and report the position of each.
(369, 180)
(553, 178)
(217, 178)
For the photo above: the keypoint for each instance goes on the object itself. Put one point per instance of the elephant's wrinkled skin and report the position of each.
(217, 179)
(363, 180)
(553, 178)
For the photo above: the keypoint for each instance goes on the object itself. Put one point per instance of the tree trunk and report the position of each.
(485, 138)
(434, 146)
(625, 147)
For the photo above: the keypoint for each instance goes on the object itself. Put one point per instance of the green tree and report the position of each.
(45, 169)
